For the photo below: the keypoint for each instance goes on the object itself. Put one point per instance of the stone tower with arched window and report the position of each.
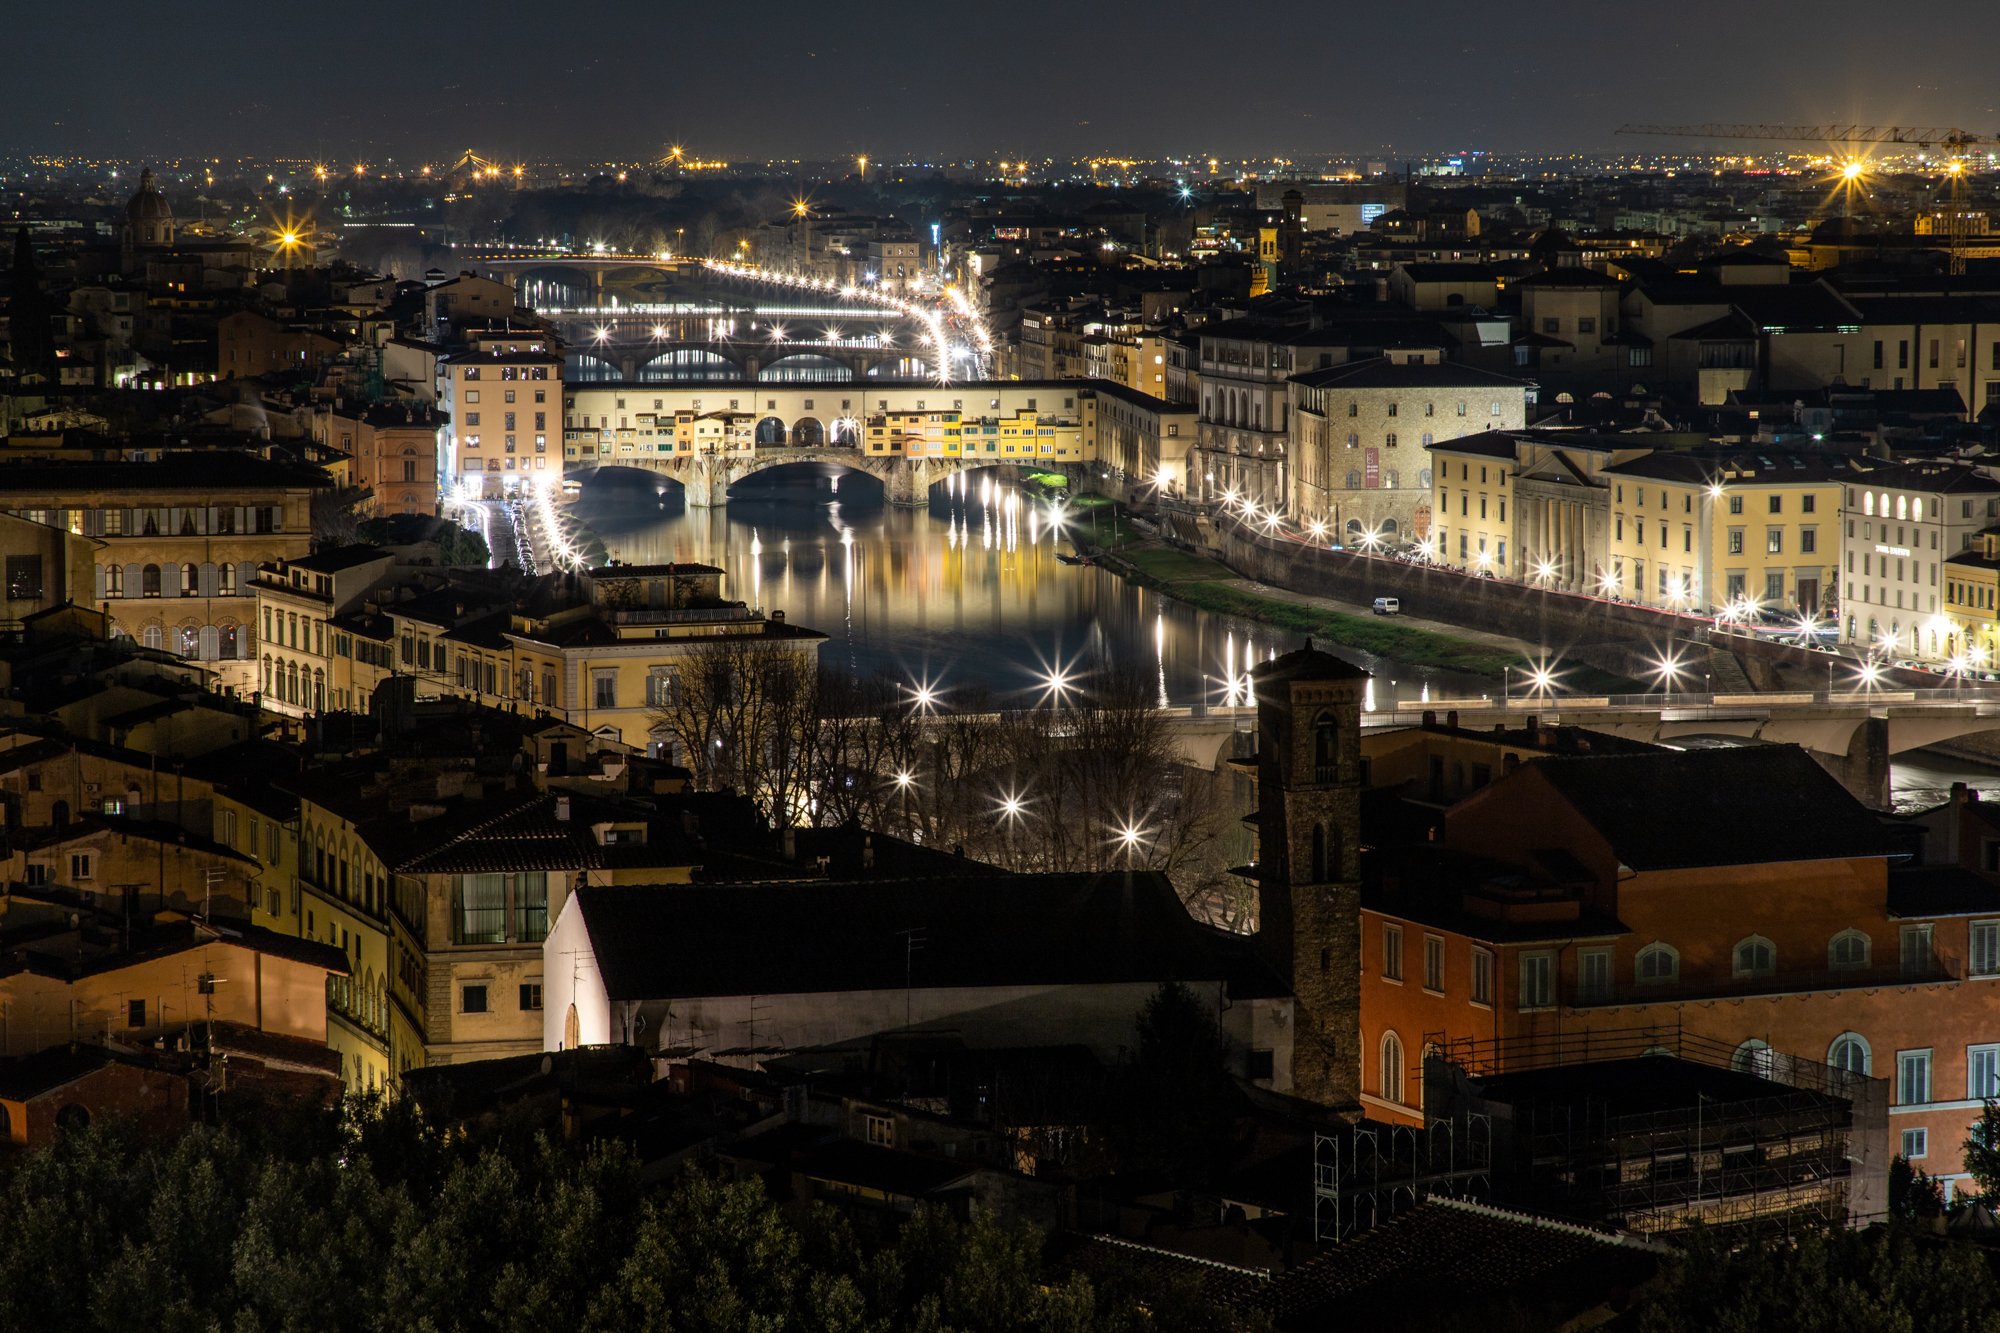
(1309, 785)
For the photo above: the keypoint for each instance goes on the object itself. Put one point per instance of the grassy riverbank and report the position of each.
(1207, 584)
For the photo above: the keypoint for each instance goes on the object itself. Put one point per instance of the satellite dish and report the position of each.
(548, 1064)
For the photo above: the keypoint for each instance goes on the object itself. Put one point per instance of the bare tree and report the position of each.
(1090, 781)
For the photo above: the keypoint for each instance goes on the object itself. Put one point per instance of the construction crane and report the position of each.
(1954, 141)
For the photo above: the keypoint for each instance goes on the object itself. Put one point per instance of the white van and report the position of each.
(1388, 606)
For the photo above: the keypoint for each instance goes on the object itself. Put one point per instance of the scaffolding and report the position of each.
(1366, 1173)
(1728, 1154)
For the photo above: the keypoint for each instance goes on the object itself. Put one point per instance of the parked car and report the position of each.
(1388, 606)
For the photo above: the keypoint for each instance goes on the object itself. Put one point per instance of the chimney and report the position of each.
(1508, 763)
(1430, 717)
(1451, 719)
(562, 809)
(791, 844)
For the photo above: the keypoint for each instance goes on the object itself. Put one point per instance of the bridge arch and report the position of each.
(845, 432)
(808, 433)
(903, 368)
(553, 273)
(843, 461)
(627, 472)
(771, 432)
(689, 363)
(584, 368)
(807, 368)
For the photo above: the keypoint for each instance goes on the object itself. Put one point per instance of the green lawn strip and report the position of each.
(1202, 582)
(1380, 637)
(1168, 565)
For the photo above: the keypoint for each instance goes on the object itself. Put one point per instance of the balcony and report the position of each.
(1928, 971)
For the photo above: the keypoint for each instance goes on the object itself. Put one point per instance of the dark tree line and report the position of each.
(379, 1218)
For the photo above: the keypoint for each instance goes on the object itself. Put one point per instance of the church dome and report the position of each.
(149, 205)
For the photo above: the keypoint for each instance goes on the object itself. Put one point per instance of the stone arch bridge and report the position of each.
(707, 477)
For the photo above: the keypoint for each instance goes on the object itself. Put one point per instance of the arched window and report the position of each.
(1902, 506)
(149, 581)
(1868, 504)
(1353, 480)
(1848, 949)
(1392, 1068)
(1917, 510)
(1755, 956)
(1752, 1057)
(1658, 963)
(1326, 748)
(1849, 1052)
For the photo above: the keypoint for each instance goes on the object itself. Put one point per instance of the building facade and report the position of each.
(1360, 435)
(1900, 524)
(502, 421)
(179, 542)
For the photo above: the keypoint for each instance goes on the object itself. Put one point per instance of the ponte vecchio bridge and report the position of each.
(910, 436)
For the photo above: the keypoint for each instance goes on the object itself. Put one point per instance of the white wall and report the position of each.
(570, 976)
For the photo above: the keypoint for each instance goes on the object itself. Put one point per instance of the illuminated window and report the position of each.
(1392, 1068)
(1849, 1053)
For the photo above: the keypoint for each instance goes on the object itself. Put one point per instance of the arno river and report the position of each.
(967, 591)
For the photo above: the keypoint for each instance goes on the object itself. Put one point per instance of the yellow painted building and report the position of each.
(181, 539)
(1972, 600)
(261, 822)
(1471, 527)
(1714, 531)
(345, 892)
(991, 421)
(602, 664)
(1019, 436)
(303, 669)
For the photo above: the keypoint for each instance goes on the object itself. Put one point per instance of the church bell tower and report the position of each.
(1309, 874)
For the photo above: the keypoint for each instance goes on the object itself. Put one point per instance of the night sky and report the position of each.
(422, 79)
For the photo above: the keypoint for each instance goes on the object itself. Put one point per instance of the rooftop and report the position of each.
(670, 941)
(1385, 373)
(1745, 805)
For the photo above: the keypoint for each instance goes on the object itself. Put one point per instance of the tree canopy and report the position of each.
(377, 1217)
(1886, 1280)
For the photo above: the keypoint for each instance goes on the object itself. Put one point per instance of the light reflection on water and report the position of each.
(965, 591)
(1920, 781)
